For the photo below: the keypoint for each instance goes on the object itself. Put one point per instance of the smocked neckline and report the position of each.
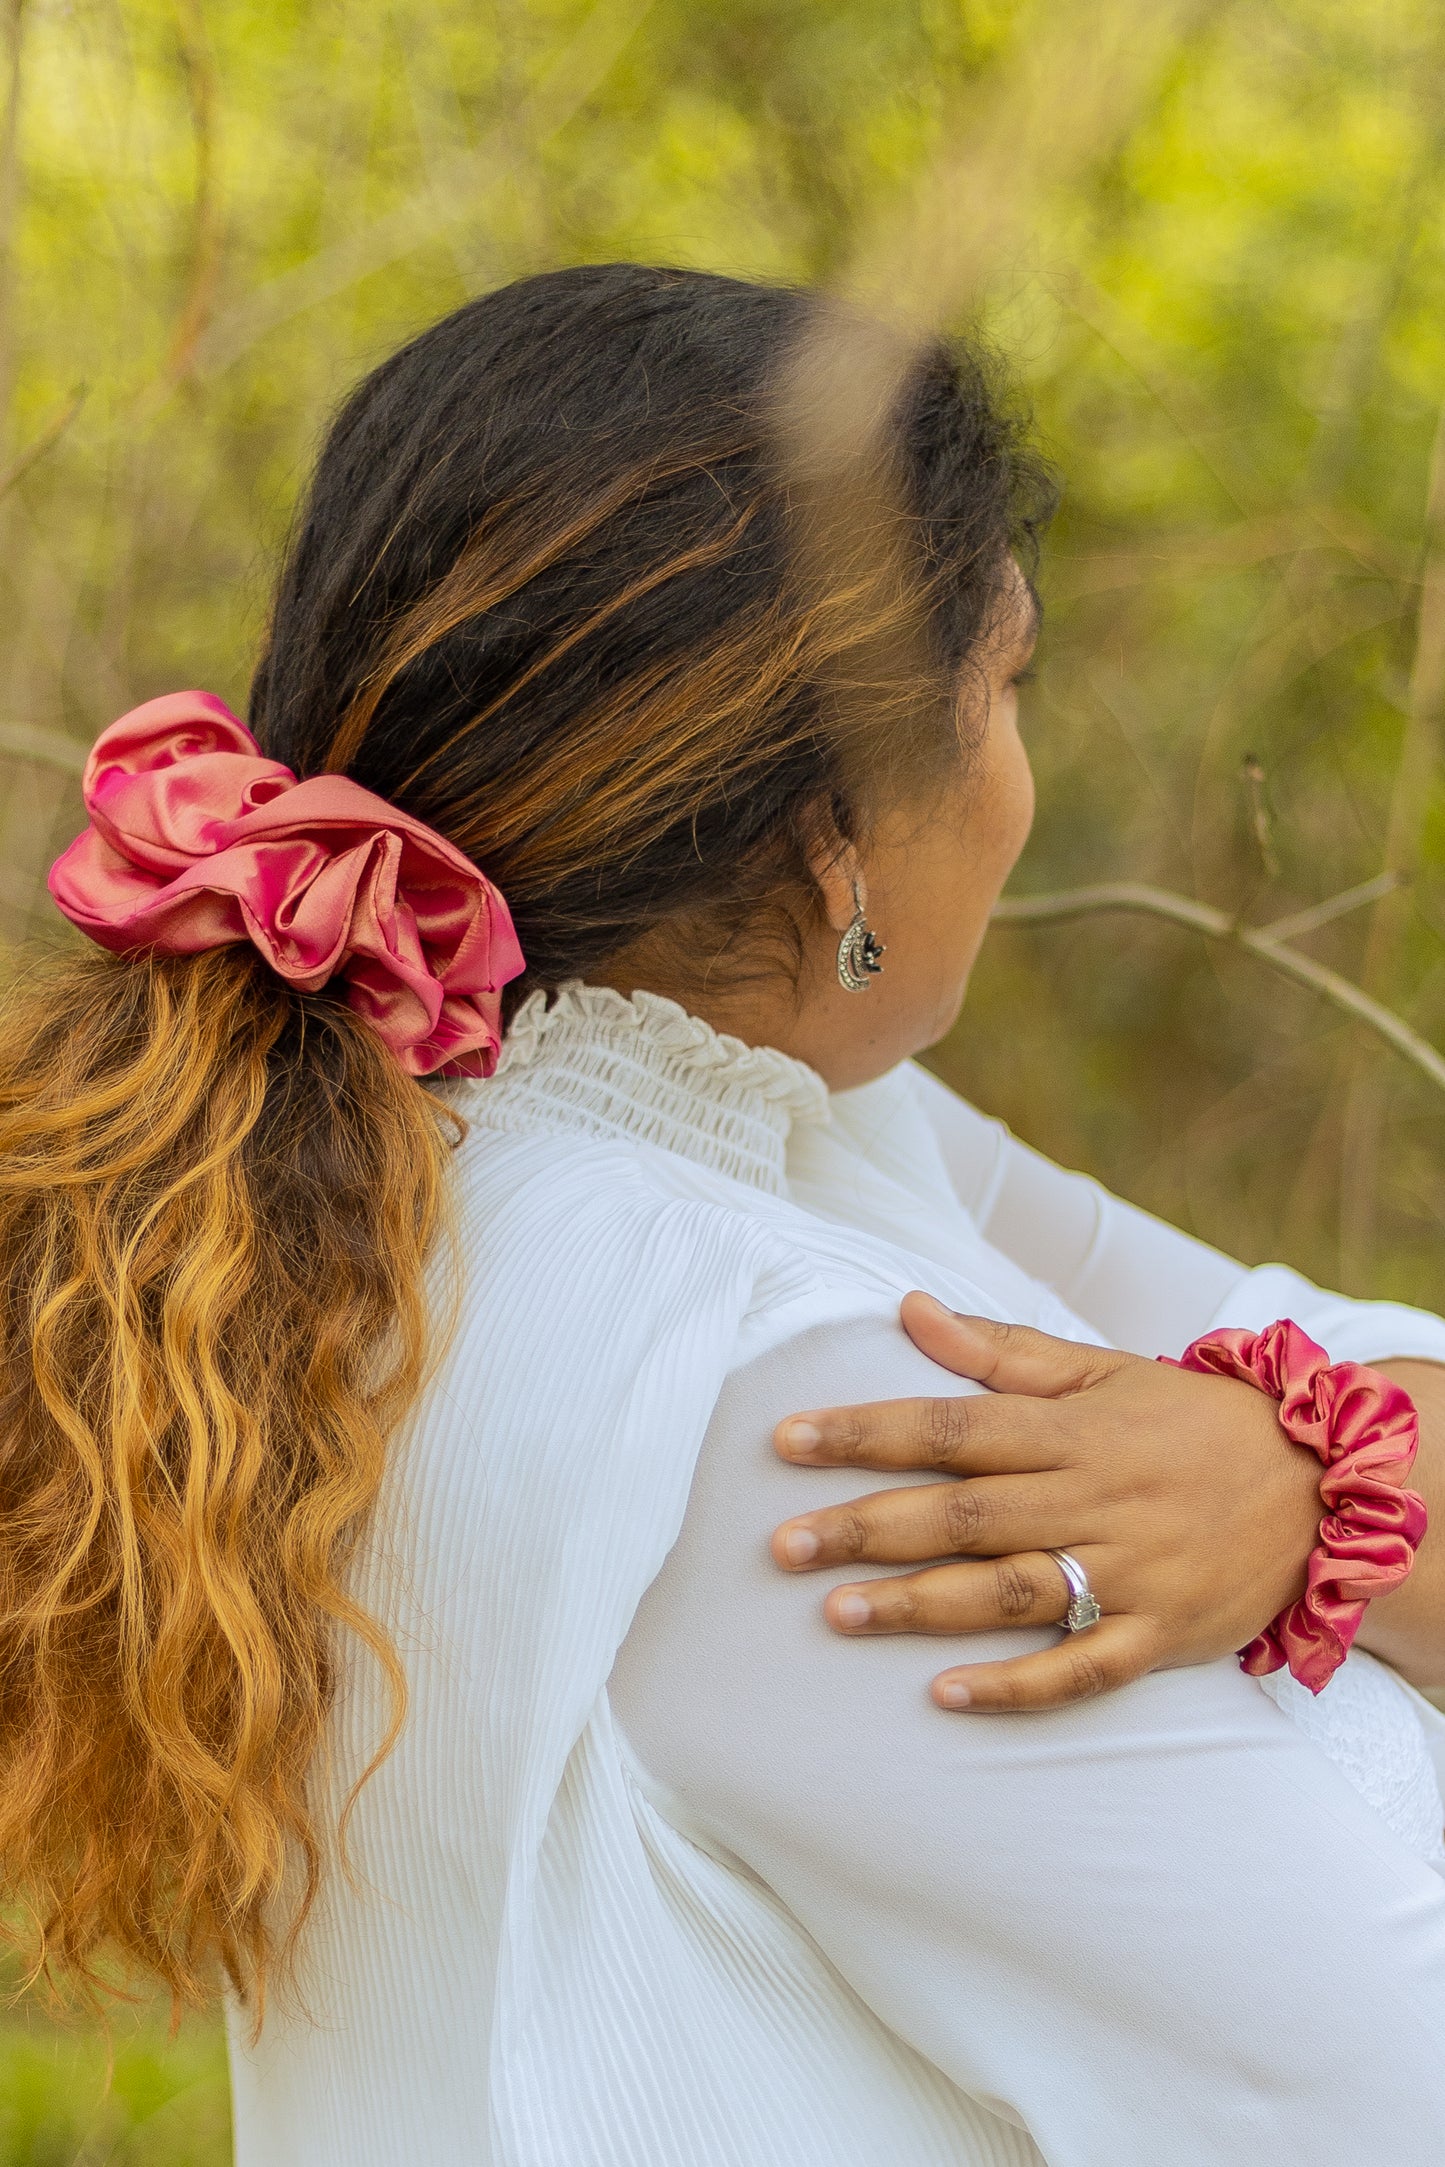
(611, 1064)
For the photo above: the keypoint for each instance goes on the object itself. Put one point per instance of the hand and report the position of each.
(1187, 1506)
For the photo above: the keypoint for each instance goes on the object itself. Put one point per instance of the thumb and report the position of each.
(1005, 1357)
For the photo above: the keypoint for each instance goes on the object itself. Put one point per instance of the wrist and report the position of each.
(1407, 1629)
(1362, 1430)
(1289, 1505)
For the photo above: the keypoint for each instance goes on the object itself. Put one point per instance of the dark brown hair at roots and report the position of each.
(543, 597)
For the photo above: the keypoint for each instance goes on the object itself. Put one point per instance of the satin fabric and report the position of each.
(1364, 1429)
(197, 841)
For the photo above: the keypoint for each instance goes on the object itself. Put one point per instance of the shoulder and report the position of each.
(912, 1124)
(586, 1320)
(976, 1147)
(596, 1273)
(592, 1220)
(607, 1288)
(595, 1280)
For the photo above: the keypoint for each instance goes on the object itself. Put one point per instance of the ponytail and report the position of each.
(217, 1195)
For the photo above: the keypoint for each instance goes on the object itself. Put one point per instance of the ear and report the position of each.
(835, 866)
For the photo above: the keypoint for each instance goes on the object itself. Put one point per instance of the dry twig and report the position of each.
(1265, 942)
(49, 436)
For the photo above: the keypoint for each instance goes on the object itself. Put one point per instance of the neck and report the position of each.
(810, 1018)
(592, 1059)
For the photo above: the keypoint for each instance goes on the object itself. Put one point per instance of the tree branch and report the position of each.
(13, 17)
(49, 436)
(1263, 942)
(48, 748)
(452, 192)
(203, 276)
(1334, 906)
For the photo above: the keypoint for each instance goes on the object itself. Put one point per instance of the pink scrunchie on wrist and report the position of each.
(198, 841)
(1364, 1429)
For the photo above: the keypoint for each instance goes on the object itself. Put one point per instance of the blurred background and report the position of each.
(1210, 238)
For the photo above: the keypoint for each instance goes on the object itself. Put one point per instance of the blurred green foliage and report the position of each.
(1230, 322)
(72, 2095)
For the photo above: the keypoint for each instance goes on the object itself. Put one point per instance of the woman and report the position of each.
(648, 1868)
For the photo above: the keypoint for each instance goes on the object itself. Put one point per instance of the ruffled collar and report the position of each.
(593, 1060)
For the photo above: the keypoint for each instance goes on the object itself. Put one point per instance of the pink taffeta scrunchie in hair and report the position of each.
(1364, 1429)
(197, 841)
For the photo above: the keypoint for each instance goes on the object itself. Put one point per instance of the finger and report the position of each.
(1083, 1665)
(970, 1598)
(964, 1433)
(1005, 1357)
(990, 1516)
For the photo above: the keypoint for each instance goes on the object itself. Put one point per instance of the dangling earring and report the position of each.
(860, 952)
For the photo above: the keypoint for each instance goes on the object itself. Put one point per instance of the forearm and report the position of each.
(1407, 1629)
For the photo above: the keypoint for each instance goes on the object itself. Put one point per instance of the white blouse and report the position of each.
(664, 1874)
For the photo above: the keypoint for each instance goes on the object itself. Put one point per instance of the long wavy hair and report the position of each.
(544, 595)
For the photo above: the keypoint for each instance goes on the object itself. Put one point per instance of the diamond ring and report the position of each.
(1083, 1610)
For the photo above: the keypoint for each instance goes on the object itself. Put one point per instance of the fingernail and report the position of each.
(800, 1546)
(800, 1438)
(954, 1695)
(852, 1610)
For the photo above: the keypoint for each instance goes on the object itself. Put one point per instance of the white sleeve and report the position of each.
(1157, 1926)
(1139, 1281)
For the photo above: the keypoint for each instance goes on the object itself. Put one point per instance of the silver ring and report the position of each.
(1083, 1610)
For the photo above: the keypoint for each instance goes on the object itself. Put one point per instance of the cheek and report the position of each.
(1022, 798)
(1014, 787)
(1003, 809)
